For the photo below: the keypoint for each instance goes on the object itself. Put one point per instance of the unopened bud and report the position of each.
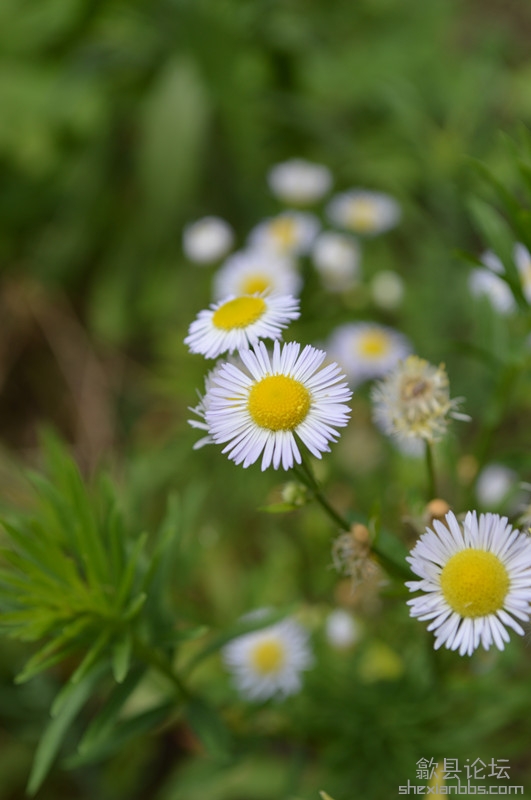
(296, 494)
(436, 509)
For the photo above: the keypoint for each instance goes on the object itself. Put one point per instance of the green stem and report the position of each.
(160, 663)
(307, 477)
(430, 466)
(495, 410)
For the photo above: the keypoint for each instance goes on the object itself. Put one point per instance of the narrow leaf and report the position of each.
(58, 727)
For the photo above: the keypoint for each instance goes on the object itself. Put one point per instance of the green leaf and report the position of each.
(122, 733)
(128, 577)
(93, 655)
(121, 657)
(102, 727)
(41, 660)
(57, 729)
(209, 727)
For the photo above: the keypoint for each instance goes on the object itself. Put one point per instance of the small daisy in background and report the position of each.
(336, 258)
(387, 289)
(487, 283)
(207, 240)
(256, 271)
(494, 484)
(200, 410)
(237, 322)
(290, 233)
(364, 212)
(341, 629)
(413, 401)
(260, 411)
(475, 579)
(367, 350)
(299, 182)
(269, 662)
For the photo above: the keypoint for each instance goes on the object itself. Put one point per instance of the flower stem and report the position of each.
(430, 466)
(161, 663)
(307, 477)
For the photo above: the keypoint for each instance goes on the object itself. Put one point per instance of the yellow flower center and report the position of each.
(238, 313)
(474, 583)
(362, 216)
(268, 656)
(255, 284)
(373, 344)
(278, 403)
(284, 232)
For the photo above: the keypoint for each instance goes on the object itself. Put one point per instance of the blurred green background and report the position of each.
(122, 121)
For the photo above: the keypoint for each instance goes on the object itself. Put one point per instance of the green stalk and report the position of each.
(430, 466)
(305, 475)
(161, 664)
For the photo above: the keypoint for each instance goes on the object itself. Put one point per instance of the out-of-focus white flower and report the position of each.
(256, 271)
(522, 259)
(413, 401)
(485, 283)
(288, 234)
(260, 411)
(237, 322)
(299, 182)
(364, 212)
(475, 579)
(207, 240)
(341, 629)
(387, 288)
(268, 662)
(367, 350)
(337, 260)
(494, 483)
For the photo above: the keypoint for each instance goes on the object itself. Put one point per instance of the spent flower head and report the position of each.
(475, 580)
(413, 401)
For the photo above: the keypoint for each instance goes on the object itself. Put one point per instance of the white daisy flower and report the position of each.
(255, 271)
(260, 411)
(494, 483)
(336, 258)
(341, 629)
(237, 322)
(476, 579)
(486, 283)
(288, 234)
(268, 663)
(207, 240)
(522, 259)
(364, 212)
(200, 410)
(367, 350)
(299, 182)
(413, 401)
(387, 289)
